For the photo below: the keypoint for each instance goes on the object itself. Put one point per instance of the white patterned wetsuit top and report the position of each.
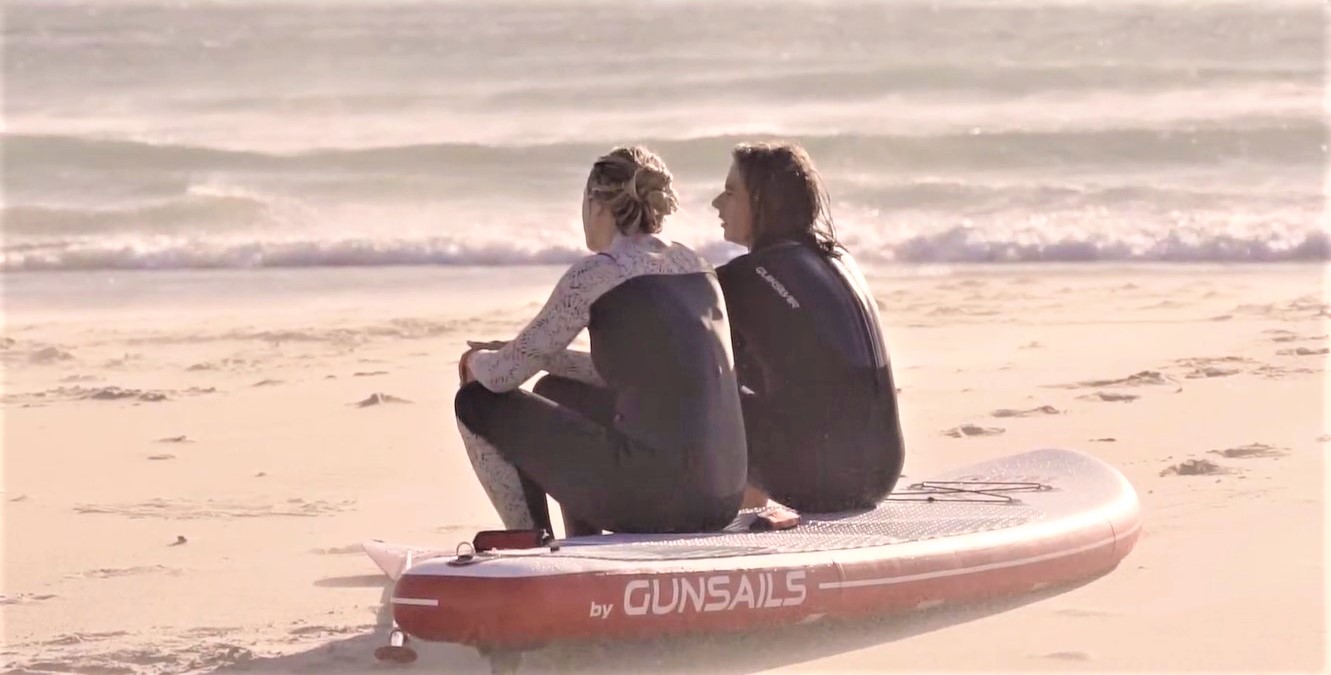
(670, 455)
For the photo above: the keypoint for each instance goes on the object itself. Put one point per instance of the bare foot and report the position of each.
(754, 498)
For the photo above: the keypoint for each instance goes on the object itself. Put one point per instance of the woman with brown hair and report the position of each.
(820, 406)
(645, 433)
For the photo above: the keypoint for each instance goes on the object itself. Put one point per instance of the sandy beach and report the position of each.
(190, 468)
(243, 243)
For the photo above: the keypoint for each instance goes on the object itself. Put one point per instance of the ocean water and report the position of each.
(181, 134)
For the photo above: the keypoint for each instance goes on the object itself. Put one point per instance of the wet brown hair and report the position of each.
(786, 195)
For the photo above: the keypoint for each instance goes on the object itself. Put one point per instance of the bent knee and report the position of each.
(545, 384)
(470, 404)
(550, 386)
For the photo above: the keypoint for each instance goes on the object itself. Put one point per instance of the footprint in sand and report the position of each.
(26, 598)
(379, 399)
(963, 310)
(114, 572)
(1083, 613)
(370, 373)
(1105, 439)
(1042, 410)
(1212, 371)
(116, 393)
(332, 631)
(1304, 351)
(1138, 379)
(968, 430)
(1265, 309)
(1110, 397)
(349, 549)
(1302, 338)
(1282, 335)
(1202, 361)
(1302, 307)
(1276, 372)
(1206, 367)
(1195, 467)
(266, 383)
(1252, 450)
(1066, 656)
(1307, 303)
(50, 355)
(1163, 304)
(224, 364)
(321, 631)
(159, 458)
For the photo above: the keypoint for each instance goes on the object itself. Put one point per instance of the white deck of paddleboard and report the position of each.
(1084, 493)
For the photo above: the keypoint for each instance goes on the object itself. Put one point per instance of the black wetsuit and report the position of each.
(647, 434)
(820, 406)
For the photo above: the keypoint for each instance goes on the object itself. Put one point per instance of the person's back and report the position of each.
(660, 343)
(645, 433)
(809, 348)
(820, 405)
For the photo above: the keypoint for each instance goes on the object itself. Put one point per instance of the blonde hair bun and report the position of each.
(636, 185)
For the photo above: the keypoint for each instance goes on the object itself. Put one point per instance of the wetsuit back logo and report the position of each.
(778, 287)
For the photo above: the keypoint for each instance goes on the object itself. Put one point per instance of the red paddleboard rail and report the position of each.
(531, 598)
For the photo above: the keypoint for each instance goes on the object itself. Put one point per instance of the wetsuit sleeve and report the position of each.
(737, 284)
(564, 315)
(575, 365)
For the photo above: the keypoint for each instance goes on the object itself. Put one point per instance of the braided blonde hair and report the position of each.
(635, 184)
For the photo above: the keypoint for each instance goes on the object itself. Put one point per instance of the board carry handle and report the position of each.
(491, 540)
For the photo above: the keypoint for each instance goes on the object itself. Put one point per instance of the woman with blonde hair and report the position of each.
(642, 434)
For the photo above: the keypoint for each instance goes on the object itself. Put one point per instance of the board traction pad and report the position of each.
(892, 522)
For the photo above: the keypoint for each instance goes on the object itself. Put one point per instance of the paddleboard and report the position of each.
(1008, 526)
